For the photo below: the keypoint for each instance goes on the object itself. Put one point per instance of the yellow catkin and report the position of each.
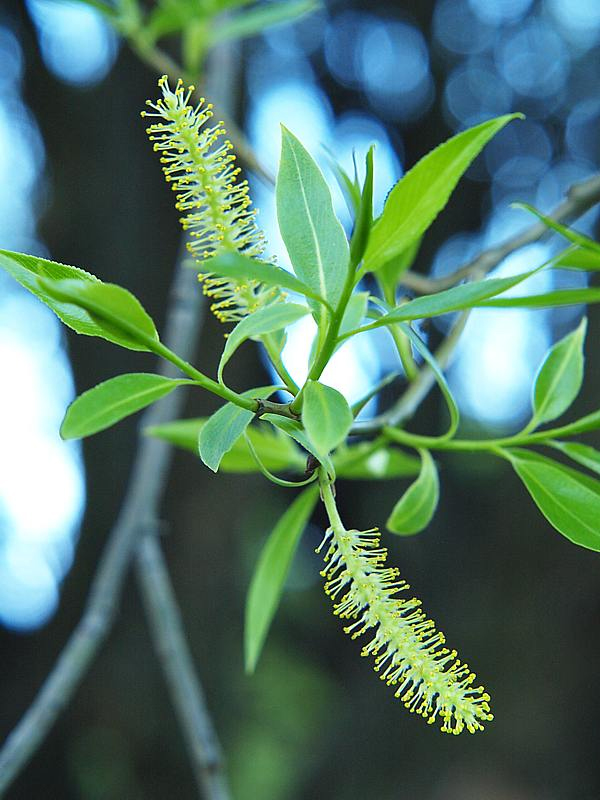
(409, 653)
(197, 161)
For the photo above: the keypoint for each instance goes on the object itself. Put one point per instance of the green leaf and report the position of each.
(296, 431)
(419, 196)
(224, 428)
(578, 258)
(429, 358)
(364, 219)
(560, 376)
(590, 422)
(27, 269)
(562, 297)
(313, 236)
(271, 572)
(388, 276)
(326, 416)
(113, 400)
(566, 232)
(569, 501)
(266, 320)
(276, 451)
(349, 188)
(119, 314)
(363, 462)
(458, 298)
(236, 265)
(413, 512)
(256, 20)
(354, 313)
(581, 453)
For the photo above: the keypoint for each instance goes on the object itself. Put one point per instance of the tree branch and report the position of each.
(172, 649)
(136, 526)
(580, 198)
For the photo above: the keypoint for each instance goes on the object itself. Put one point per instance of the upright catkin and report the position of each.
(197, 160)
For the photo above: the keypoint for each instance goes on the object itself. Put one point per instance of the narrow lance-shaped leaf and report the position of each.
(568, 233)
(256, 20)
(266, 320)
(459, 298)
(561, 297)
(440, 378)
(326, 416)
(236, 265)
(581, 453)
(313, 236)
(413, 512)
(364, 218)
(276, 450)
(578, 258)
(569, 501)
(419, 196)
(271, 572)
(225, 427)
(113, 400)
(362, 462)
(115, 310)
(560, 376)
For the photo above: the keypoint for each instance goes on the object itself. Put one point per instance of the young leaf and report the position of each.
(561, 297)
(27, 269)
(364, 219)
(313, 236)
(569, 501)
(419, 196)
(236, 265)
(270, 573)
(590, 422)
(224, 428)
(440, 378)
(296, 431)
(276, 451)
(568, 233)
(355, 312)
(362, 462)
(467, 295)
(349, 188)
(560, 376)
(581, 453)
(413, 512)
(119, 314)
(388, 276)
(268, 319)
(326, 416)
(113, 400)
(578, 258)
(255, 20)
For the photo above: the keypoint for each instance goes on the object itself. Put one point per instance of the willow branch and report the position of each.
(138, 515)
(171, 646)
(580, 198)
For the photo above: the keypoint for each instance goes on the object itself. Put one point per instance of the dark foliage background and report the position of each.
(520, 603)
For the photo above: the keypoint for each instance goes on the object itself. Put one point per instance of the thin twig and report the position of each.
(137, 520)
(172, 649)
(138, 514)
(580, 198)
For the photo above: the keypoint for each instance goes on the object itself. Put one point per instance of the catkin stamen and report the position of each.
(409, 653)
(198, 163)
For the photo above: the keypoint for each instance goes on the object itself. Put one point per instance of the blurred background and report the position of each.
(80, 184)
